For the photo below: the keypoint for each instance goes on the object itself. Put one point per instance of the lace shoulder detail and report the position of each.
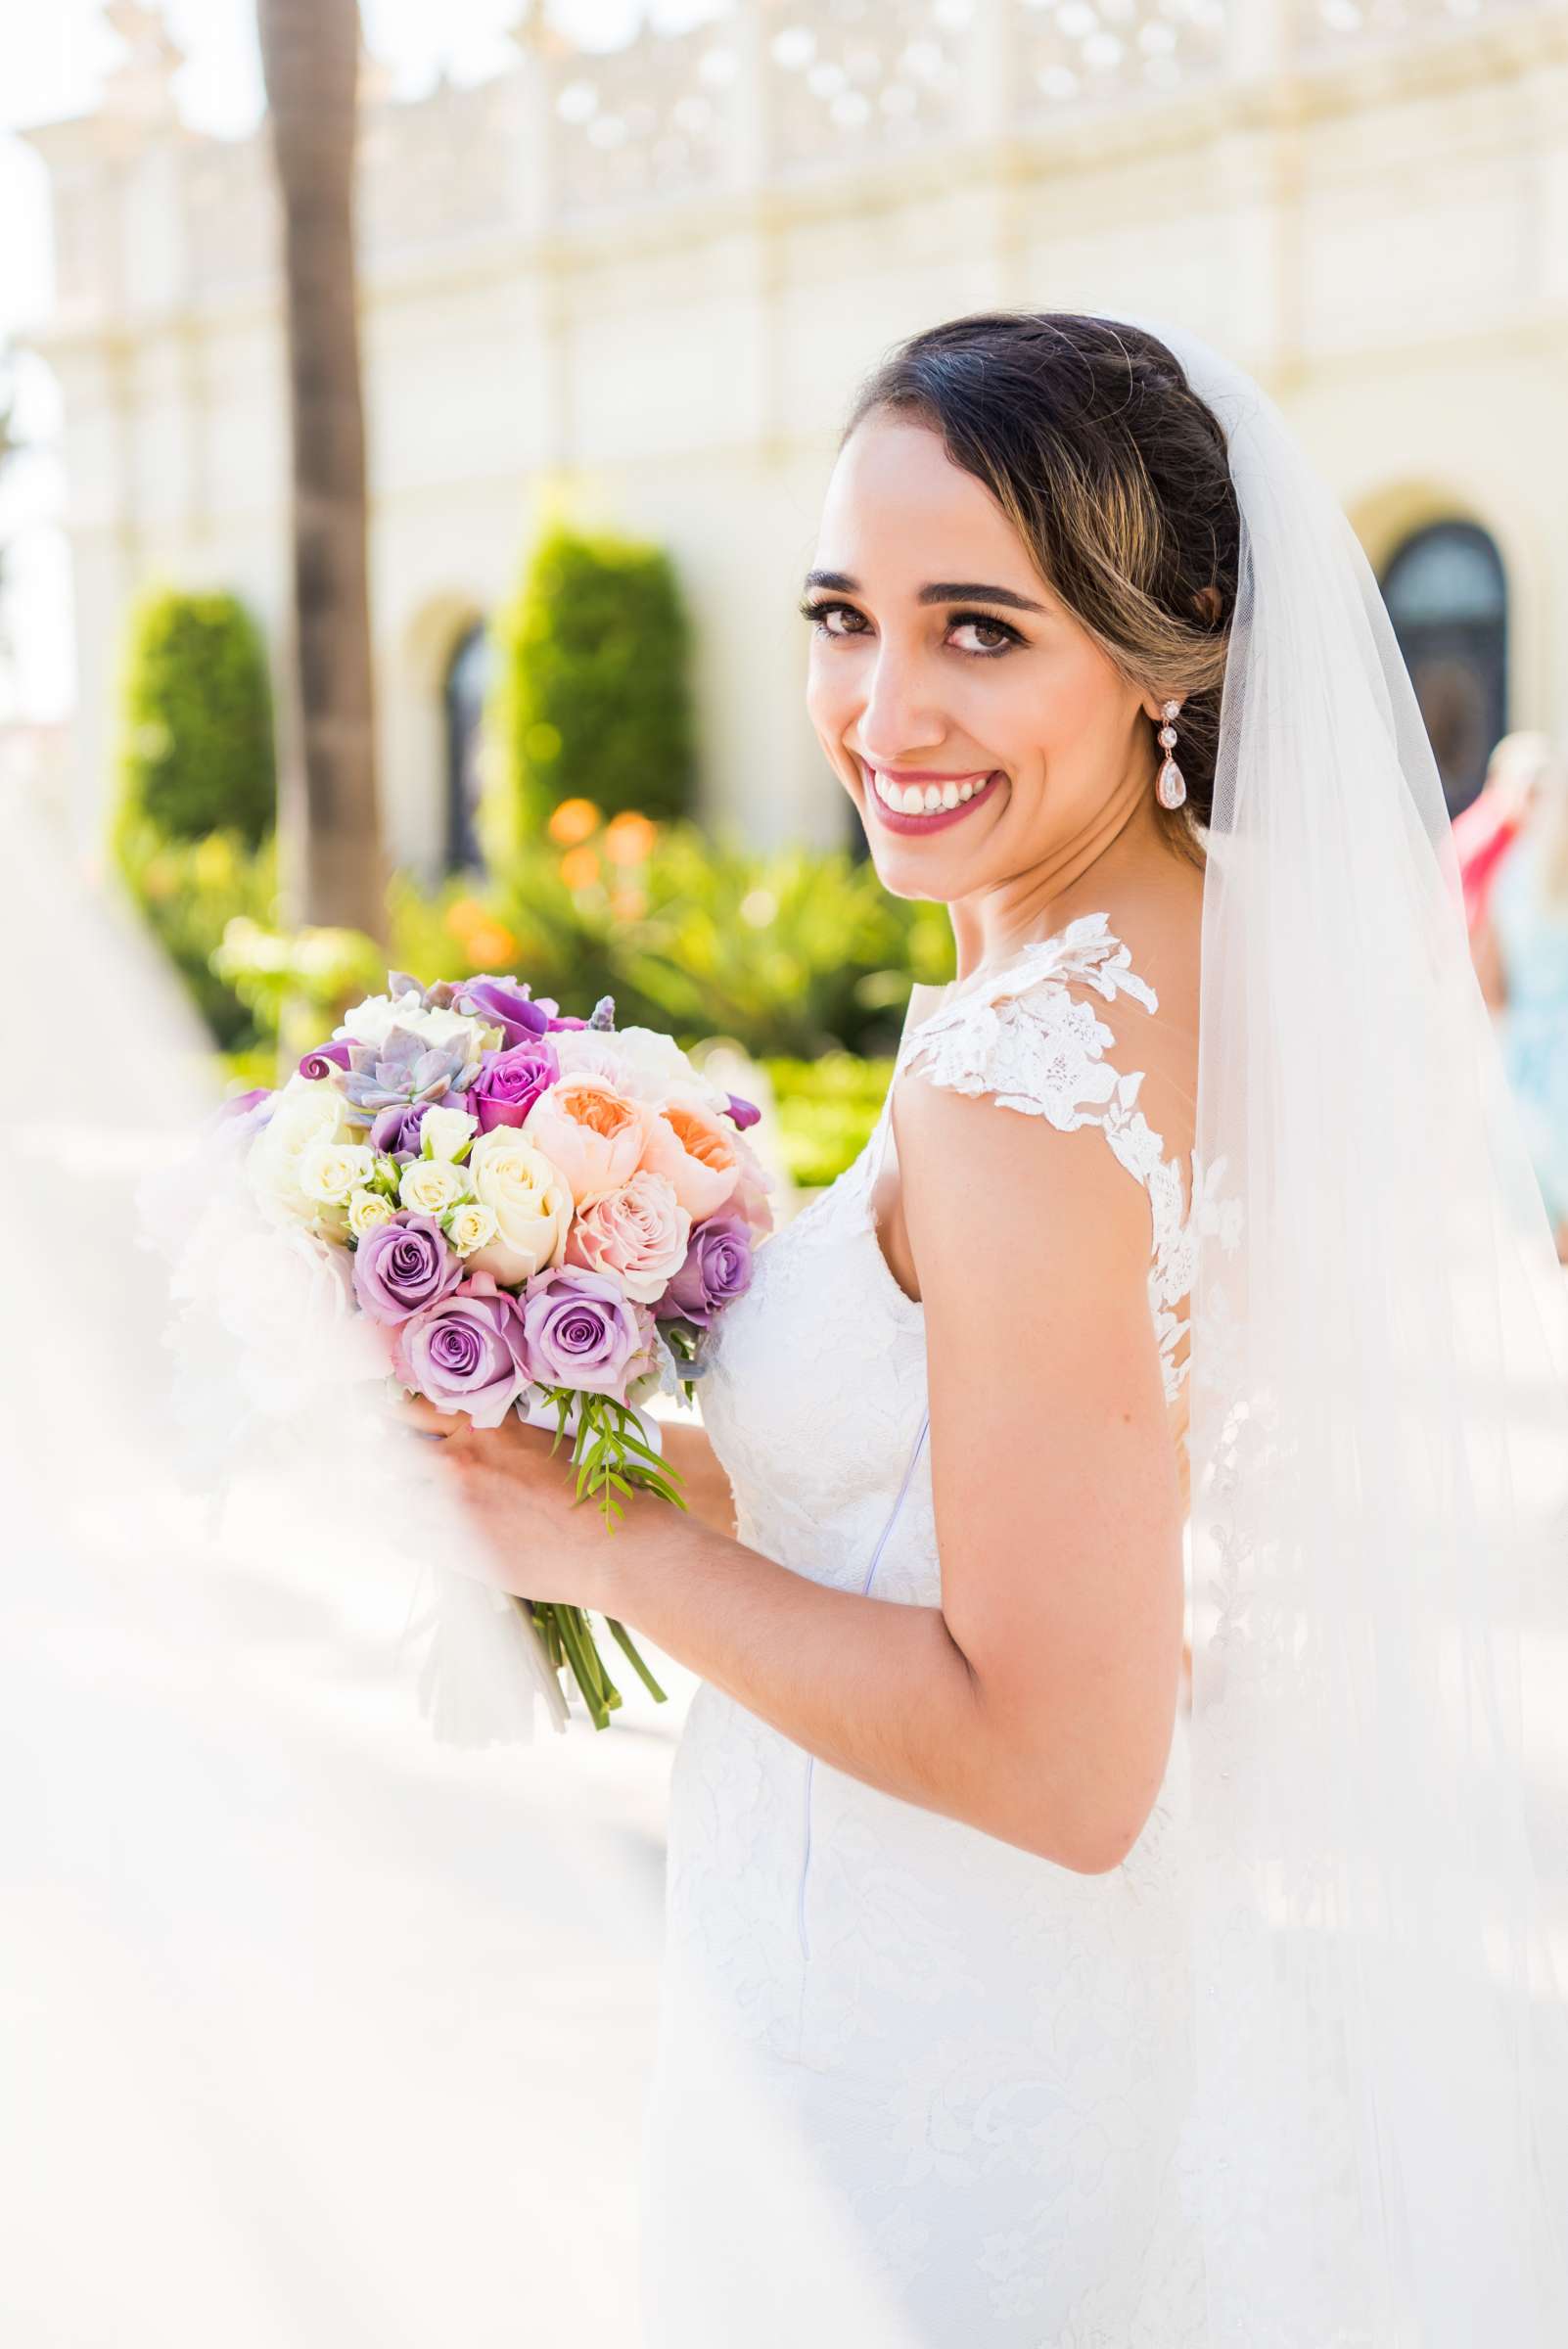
(1023, 1035)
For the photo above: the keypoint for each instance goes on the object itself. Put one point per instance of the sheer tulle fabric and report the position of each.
(312, 2030)
(1380, 2145)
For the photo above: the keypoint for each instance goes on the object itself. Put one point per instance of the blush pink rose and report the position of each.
(750, 1198)
(696, 1149)
(595, 1136)
(638, 1235)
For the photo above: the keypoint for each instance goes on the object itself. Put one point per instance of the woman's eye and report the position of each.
(818, 614)
(997, 629)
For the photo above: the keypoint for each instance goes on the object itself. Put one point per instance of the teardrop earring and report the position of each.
(1171, 787)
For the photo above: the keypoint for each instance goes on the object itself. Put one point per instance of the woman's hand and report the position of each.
(542, 1542)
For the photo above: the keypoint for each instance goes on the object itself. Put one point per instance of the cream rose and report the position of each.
(471, 1225)
(307, 1111)
(431, 1186)
(531, 1200)
(330, 1172)
(638, 1235)
(694, 1149)
(593, 1133)
(445, 1132)
(367, 1209)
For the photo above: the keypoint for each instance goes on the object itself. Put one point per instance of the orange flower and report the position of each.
(580, 867)
(572, 820)
(488, 942)
(629, 837)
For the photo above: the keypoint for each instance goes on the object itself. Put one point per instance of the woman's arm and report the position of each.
(687, 1447)
(1038, 1701)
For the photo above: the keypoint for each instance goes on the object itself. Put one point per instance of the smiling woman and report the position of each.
(1003, 2001)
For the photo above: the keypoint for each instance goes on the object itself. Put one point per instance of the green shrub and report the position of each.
(189, 891)
(298, 984)
(591, 695)
(790, 950)
(826, 1110)
(196, 720)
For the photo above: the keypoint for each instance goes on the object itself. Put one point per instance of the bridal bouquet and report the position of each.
(525, 1212)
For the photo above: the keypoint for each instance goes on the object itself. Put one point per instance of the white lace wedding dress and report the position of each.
(914, 2084)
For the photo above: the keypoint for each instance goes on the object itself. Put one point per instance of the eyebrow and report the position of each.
(939, 591)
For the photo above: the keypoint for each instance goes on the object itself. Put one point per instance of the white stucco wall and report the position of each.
(1381, 232)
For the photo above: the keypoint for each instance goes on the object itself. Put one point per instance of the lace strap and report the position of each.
(1024, 1036)
(1020, 1033)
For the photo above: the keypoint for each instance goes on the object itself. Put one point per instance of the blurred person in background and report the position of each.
(1520, 943)
(1486, 830)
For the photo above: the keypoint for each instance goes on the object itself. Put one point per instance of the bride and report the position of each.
(1008, 1997)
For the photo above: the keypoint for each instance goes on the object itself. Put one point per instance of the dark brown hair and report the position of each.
(1115, 475)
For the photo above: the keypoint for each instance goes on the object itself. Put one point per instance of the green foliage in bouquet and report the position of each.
(591, 695)
(196, 751)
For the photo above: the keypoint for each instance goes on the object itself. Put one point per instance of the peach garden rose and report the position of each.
(638, 1232)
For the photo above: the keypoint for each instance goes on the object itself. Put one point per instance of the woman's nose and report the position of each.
(897, 719)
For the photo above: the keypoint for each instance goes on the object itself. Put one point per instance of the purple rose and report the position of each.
(403, 1266)
(323, 1061)
(745, 1113)
(581, 1330)
(398, 1130)
(510, 1083)
(465, 1352)
(505, 1005)
(717, 1268)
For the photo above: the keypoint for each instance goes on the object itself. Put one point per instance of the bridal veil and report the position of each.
(1378, 2150)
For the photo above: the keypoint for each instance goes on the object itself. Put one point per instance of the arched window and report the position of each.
(1447, 598)
(468, 677)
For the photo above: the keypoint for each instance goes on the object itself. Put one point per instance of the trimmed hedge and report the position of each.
(591, 697)
(197, 745)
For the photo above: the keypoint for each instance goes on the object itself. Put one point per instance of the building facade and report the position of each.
(641, 286)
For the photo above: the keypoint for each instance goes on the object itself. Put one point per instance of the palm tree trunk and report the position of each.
(332, 833)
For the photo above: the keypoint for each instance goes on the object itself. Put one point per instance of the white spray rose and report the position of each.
(531, 1200)
(431, 1186)
(471, 1225)
(367, 1209)
(307, 1111)
(445, 1132)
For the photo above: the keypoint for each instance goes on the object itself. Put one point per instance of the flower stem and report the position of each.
(620, 1633)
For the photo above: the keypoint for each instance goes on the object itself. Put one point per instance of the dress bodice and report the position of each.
(816, 1387)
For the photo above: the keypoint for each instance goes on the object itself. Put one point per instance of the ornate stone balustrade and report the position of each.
(765, 95)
